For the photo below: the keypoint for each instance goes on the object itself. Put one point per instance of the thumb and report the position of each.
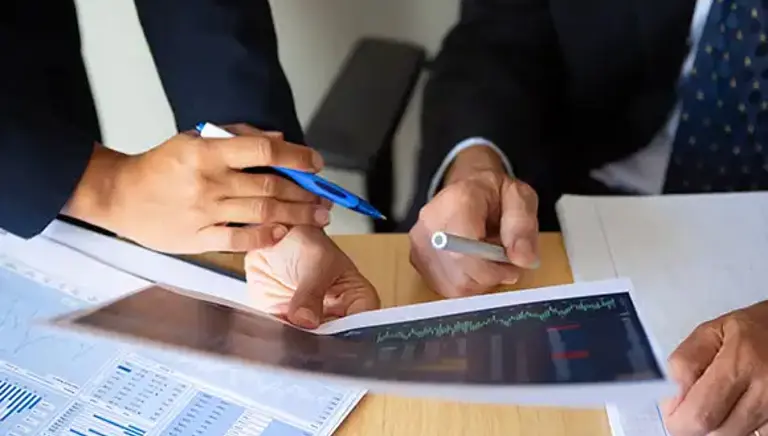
(691, 358)
(519, 227)
(306, 306)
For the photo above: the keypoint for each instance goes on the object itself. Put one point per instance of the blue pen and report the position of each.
(311, 182)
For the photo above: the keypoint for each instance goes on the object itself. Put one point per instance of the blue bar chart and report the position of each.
(82, 420)
(23, 408)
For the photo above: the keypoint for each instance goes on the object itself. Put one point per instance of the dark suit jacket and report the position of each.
(561, 86)
(217, 61)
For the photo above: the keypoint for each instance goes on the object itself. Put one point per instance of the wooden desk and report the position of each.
(383, 259)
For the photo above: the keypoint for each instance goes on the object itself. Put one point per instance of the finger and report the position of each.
(239, 239)
(710, 399)
(240, 184)
(488, 273)
(351, 293)
(762, 431)
(242, 129)
(248, 130)
(257, 210)
(260, 151)
(519, 224)
(749, 414)
(692, 357)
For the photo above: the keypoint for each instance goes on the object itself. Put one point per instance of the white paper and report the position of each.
(150, 265)
(691, 258)
(57, 383)
(635, 421)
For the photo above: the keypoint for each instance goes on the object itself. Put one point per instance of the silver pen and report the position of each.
(471, 247)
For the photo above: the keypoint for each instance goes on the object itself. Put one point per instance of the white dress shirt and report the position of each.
(642, 172)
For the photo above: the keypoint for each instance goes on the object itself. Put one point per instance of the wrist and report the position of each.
(94, 196)
(474, 160)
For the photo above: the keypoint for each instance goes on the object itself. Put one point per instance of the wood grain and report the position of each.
(383, 259)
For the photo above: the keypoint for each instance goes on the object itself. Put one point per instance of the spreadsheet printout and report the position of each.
(62, 383)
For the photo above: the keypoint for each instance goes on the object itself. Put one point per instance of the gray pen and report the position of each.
(471, 247)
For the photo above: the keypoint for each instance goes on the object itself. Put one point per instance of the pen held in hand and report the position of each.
(471, 247)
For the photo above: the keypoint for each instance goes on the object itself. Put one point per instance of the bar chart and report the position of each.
(81, 420)
(24, 408)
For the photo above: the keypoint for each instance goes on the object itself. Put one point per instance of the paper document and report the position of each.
(636, 420)
(62, 383)
(691, 258)
(567, 345)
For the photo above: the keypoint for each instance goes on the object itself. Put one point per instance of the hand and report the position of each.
(722, 371)
(307, 278)
(479, 201)
(178, 197)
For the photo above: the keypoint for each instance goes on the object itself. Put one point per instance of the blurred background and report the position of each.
(315, 38)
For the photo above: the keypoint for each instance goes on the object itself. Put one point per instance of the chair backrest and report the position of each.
(364, 106)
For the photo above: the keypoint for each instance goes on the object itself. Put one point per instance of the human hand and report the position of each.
(479, 201)
(722, 372)
(307, 278)
(178, 197)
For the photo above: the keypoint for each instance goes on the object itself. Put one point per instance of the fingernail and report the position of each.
(524, 247)
(510, 282)
(279, 232)
(322, 216)
(307, 316)
(317, 161)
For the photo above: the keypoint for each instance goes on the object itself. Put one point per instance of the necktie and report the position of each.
(721, 144)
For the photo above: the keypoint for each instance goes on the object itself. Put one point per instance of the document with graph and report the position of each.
(583, 344)
(55, 382)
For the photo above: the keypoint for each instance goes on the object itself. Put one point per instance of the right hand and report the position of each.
(178, 197)
(478, 201)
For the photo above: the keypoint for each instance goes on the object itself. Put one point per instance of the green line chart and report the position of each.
(472, 325)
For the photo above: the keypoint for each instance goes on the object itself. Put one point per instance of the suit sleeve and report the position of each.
(495, 77)
(218, 62)
(48, 123)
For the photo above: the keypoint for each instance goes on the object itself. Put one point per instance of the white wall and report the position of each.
(314, 37)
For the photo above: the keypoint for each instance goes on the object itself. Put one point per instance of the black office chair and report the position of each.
(356, 122)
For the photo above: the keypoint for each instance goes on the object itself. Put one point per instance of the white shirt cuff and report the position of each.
(461, 146)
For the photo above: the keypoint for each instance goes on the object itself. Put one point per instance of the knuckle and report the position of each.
(261, 209)
(704, 421)
(265, 147)
(269, 185)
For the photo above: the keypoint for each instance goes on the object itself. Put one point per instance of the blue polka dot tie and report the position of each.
(721, 143)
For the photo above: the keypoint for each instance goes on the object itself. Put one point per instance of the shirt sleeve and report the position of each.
(439, 175)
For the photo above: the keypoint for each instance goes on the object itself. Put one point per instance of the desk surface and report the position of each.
(383, 259)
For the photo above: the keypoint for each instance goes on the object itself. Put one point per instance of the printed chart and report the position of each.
(25, 407)
(47, 354)
(55, 383)
(574, 340)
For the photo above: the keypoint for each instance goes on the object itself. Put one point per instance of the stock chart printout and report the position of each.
(54, 382)
(575, 340)
(572, 340)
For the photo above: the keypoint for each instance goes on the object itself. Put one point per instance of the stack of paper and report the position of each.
(690, 258)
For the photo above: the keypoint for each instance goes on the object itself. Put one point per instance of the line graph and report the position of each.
(570, 340)
(468, 326)
(47, 353)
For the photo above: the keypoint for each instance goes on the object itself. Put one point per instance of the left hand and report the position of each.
(306, 278)
(722, 371)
